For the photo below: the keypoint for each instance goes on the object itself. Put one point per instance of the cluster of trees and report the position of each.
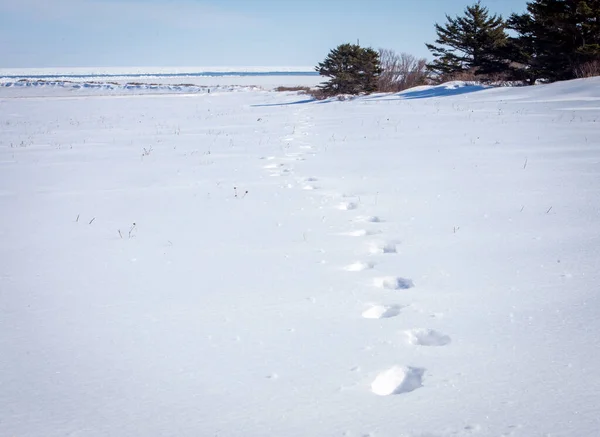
(353, 70)
(553, 40)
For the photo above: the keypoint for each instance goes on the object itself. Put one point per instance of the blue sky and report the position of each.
(165, 33)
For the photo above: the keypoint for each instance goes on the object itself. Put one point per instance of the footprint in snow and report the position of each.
(280, 173)
(368, 219)
(397, 380)
(381, 312)
(347, 206)
(272, 166)
(427, 337)
(383, 247)
(393, 283)
(359, 266)
(310, 187)
(361, 233)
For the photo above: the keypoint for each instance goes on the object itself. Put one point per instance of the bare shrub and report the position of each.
(588, 69)
(317, 93)
(293, 88)
(401, 71)
(463, 76)
(509, 78)
(472, 76)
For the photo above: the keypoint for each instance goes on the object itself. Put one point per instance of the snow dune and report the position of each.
(164, 269)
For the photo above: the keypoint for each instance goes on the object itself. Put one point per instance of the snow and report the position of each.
(427, 337)
(397, 380)
(254, 263)
(382, 311)
(447, 89)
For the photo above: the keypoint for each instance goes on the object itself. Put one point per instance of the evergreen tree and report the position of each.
(555, 37)
(472, 42)
(352, 70)
(521, 50)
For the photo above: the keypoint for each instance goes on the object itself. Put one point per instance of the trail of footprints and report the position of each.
(397, 379)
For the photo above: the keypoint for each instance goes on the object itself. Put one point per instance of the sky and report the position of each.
(229, 33)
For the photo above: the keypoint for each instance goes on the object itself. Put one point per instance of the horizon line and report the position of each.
(171, 69)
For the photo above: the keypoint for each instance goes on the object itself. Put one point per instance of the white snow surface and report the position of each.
(422, 264)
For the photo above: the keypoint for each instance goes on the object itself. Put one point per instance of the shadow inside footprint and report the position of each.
(383, 248)
(347, 206)
(393, 283)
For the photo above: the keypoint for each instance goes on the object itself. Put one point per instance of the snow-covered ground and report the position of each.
(257, 264)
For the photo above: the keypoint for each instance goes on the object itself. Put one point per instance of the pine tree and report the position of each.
(521, 50)
(472, 42)
(556, 37)
(352, 70)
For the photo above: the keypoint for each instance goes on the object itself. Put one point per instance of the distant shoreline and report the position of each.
(81, 72)
(172, 81)
(158, 76)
